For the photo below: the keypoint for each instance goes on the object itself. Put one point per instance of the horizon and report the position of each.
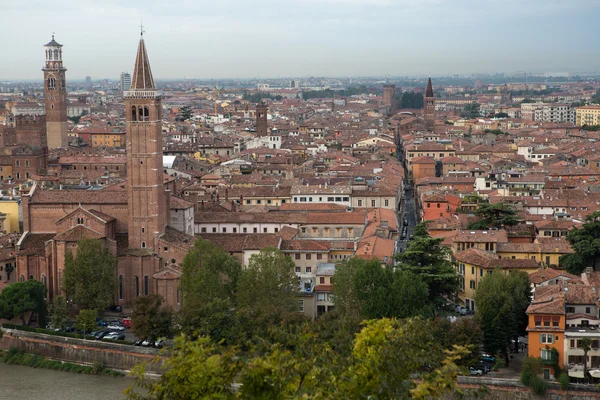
(326, 38)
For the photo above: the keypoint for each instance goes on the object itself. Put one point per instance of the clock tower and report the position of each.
(55, 94)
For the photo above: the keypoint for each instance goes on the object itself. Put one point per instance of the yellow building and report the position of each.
(5, 171)
(108, 139)
(11, 207)
(474, 264)
(547, 251)
(588, 115)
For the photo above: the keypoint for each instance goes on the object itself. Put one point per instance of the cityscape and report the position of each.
(238, 234)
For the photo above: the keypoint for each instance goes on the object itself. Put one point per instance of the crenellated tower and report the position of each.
(55, 94)
(145, 188)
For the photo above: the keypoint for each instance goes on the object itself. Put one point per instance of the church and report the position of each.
(138, 220)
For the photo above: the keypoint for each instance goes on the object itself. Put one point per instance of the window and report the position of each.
(79, 221)
(588, 310)
(297, 256)
(245, 230)
(545, 354)
(178, 295)
(472, 284)
(538, 320)
(146, 285)
(472, 270)
(321, 296)
(546, 338)
(137, 286)
(224, 230)
(301, 304)
(276, 230)
(120, 287)
(322, 280)
(264, 230)
(308, 270)
(359, 203)
(202, 230)
(214, 230)
(298, 269)
(234, 230)
(570, 309)
(372, 203)
(255, 230)
(572, 343)
(319, 256)
(386, 202)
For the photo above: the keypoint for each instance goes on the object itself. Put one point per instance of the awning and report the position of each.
(595, 373)
(576, 374)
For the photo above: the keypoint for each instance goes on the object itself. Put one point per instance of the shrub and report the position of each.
(531, 367)
(539, 386)
(564, 381)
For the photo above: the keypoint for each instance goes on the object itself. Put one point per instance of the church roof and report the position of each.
(142, 75)
(53, 43)
(429, 91)
(77, 233)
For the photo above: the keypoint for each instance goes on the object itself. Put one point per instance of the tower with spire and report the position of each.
(429, 110)
(55, 96)
(146, 199)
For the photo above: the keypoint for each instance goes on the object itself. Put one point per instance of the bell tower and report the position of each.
(145, 189)
(429, 111)
(55, 94)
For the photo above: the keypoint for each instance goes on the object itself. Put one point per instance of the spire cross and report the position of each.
(52, 35)
(141, 29)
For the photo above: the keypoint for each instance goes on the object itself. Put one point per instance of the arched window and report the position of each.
(51, 83)
(146, 114)
(56, 55)
(137, 286)
(121, 279)
(178, 296)
(49, 55)
(30, 277)
(22, 278)
(79, 221)
(146, 285)
(140, 113)
(45, 282)
(143, 245)
(133, 114)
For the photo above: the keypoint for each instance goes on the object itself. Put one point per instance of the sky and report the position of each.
(300, 38)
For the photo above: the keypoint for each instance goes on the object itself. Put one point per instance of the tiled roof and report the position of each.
(71, 196)
(77, 233)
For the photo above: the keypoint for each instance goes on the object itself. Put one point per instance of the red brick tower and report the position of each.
(261, 119)
(55, 93)
(145, 189)
(429, 112)
(389, 96)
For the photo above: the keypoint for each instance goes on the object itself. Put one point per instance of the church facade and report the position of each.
(132, 219)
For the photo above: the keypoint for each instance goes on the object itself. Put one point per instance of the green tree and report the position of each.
(497, 215)
(412, 100)
(208, 286)
(586, 346)
(149, 319)
(85, 321)
(585, 242)
(427, 258)
(195, 369)
(185, 113)
(20, 298)
(471, 111)
(89, 278)
(267, 290)
(502, 301)
(60, 313)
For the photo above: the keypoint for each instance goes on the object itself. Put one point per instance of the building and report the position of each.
(389, 96)
(588, 115)
(554, 112)
(88, 82)
(429, 110)
(125, 81)
(261, 119)
(55, 93)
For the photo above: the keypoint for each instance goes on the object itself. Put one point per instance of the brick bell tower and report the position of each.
(145, 189)
(55, 94)
(429, 112)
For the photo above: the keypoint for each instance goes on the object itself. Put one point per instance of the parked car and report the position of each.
(101, 322)
(148, 343)
(115, 326)
(115, 308)
(127, 322)
(115, 336)
(478, 371)
(159, 344)
(486, 367)
(488, 358)
(100, 334)
(138, 342)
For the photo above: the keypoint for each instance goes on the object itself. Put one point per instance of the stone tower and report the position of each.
(429, 112)
(261, 119)
(389, 96)
(55, 94)
(145, 189)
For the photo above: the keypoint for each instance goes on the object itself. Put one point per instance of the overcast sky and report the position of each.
(279, 38)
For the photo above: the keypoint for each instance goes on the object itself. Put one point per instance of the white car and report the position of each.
(476, 371)
(115, 327)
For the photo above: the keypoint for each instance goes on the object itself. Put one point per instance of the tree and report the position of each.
(86, 321)
(60, 313)
(149, 319)
(19, 298)
(428, 259)
(366, 289)
(471, 111)
(89, 279)
(412, 100)
(195, 369)
(185, 113)
(585, 242)
(267, 290)
(586, 346)
(497, 215)
(208, 285)
(502, 301)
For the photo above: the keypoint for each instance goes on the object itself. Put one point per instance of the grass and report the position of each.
(16, 356)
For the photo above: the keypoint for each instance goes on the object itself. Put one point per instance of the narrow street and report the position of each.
(407, 214)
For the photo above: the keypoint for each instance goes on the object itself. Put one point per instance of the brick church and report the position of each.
(135, 220)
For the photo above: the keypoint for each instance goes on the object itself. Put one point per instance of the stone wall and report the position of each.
(111, 355)
(513, 389)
